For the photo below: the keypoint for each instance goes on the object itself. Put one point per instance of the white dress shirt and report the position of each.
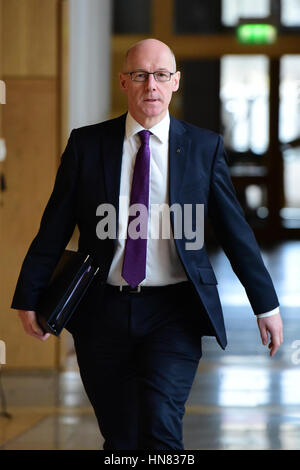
(163, 265)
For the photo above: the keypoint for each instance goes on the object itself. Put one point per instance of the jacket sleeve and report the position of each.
(237, 238)
(56, 228)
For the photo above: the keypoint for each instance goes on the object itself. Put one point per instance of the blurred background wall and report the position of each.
(60, 61)
(31, 128)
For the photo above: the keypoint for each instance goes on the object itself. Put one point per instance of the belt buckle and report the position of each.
(135, 290)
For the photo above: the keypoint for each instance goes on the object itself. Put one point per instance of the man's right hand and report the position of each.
(30, 325)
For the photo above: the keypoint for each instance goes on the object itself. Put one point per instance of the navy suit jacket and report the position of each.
(89, 175)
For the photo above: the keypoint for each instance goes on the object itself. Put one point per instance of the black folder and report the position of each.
(67, 286)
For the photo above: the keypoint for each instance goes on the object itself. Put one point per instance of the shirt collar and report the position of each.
(160, 130)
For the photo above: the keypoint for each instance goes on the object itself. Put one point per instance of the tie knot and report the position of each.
(144, 136)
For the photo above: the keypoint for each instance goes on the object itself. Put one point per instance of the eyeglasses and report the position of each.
(141, 76)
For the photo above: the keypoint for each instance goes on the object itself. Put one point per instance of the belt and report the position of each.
(149, 289)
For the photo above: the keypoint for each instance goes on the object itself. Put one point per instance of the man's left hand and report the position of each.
(271, 325)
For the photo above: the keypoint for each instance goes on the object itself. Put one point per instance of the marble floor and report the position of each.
(241, 398)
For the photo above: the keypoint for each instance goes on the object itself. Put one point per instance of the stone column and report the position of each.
(90, 59)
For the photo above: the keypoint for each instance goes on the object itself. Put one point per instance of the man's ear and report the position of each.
(176, 80)
(123, 82)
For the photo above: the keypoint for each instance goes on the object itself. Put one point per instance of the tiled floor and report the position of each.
(241, 398)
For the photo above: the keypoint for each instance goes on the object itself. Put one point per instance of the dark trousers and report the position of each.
(138, 356)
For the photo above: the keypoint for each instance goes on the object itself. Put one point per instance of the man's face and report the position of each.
(148, 101)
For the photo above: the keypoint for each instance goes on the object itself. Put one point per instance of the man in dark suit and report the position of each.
(137, 333)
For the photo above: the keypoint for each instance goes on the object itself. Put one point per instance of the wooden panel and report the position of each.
(162, 19)
(1, 46)
(1, 69)
(29, 125)
(30, 37)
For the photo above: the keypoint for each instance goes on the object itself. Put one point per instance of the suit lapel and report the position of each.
(179, 145)
(112, 149)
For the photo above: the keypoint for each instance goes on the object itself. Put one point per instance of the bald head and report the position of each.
(146, 46)
(149, 98)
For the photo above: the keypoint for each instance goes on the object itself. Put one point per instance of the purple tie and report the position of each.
(134, 264)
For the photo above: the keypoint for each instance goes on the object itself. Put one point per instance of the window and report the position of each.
(131, 16)
(289, 115)
(194, 16)
(232, 10)
(289, 135)
(244, 94)
(290, 13)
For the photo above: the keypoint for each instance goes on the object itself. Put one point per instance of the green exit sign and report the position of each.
(256, 33)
